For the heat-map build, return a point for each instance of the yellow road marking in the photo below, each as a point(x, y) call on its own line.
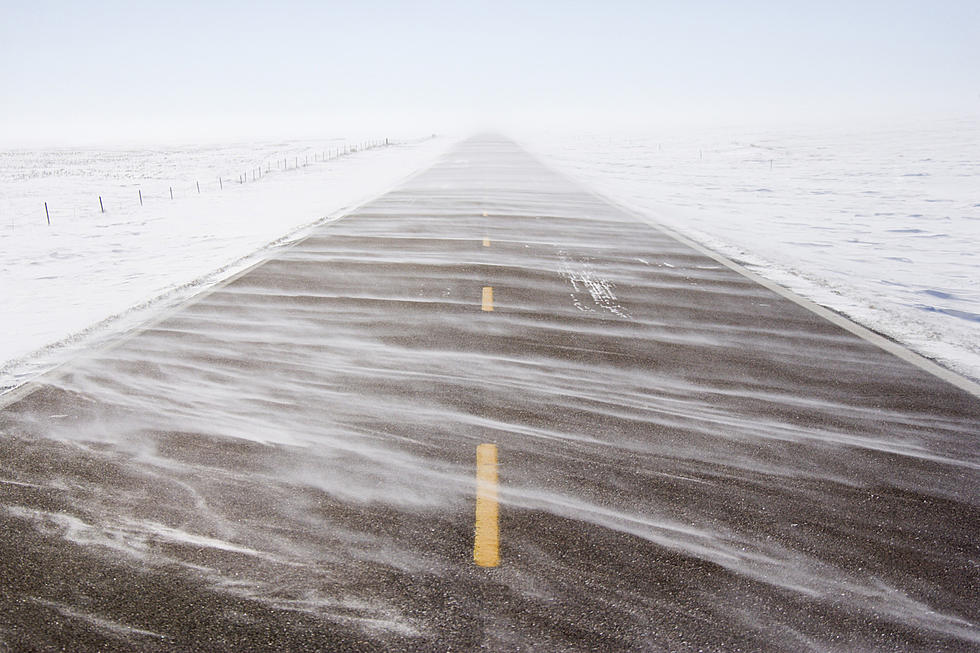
point(488, 298)
point(486, 242)
point(486, 542)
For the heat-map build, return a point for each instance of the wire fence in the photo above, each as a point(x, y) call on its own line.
point(68, 186)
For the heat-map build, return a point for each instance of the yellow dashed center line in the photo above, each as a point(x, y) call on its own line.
point(486, 541)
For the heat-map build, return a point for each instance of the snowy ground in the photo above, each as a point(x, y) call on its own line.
point(60, 284)
point(880, 224)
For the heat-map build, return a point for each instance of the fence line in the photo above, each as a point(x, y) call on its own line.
point(326, 156)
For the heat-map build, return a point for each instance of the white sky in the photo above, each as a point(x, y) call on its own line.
point(95, 70)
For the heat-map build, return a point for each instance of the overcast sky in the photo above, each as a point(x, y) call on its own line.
point(82, 71)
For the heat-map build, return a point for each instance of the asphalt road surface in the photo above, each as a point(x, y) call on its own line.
point(672, 456)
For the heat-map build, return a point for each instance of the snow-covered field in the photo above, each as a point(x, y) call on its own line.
point(59, 284)
point(881, 224)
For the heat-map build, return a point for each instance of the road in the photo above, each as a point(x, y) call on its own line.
point(672, 456)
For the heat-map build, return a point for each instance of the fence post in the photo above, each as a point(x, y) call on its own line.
point(198, 187)
point(47, 213)
point(171, 192)
point(101, 207)
point(221, 185)
point(141, 196)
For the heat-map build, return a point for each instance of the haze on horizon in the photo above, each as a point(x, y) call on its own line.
point(107, 70)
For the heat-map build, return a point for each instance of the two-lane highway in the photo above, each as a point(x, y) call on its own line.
point(491, 410)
